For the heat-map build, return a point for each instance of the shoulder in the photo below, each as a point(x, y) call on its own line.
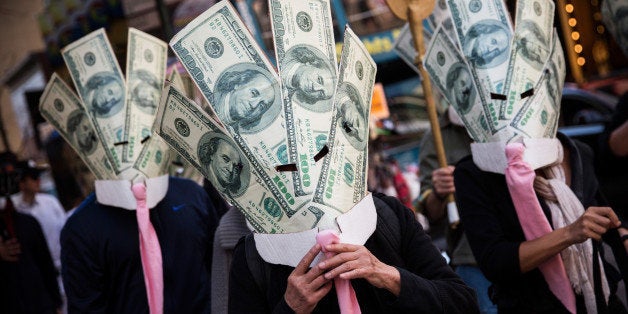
point(84, 214)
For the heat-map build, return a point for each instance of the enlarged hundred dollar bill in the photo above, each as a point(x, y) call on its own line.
point(154, 159)
point(531, 50)
point(63, 109)
point(145, 74)
point(404, 46)
point(100, 84)
point(538, 117)
point(342, 182)
point(238, 177)
point(451, 75)
point(484, 33)
point(242, 88)
point(306, 59)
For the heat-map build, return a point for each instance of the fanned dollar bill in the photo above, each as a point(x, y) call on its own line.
point(342, 182)
point(145, 74)
point(63, 109)
point(532, 44)
point(101, 87)
point(538, 117)
point(306, 59)
point(450, 73)
point(614, 15)
point(154, 159)
point(179, 167)
point(241, 180)
point(484, 32)
point(242, 88)
point(441, 16)
point(404, 46)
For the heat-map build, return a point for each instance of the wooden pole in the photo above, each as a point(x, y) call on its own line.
point(415, 12)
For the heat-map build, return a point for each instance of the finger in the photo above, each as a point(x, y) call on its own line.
point(609, 213)
point(342, 268)
point(342, 247)
point(323, 290)
point(319, 281)
point(337, 261)
point(594, 230)
point(305, 262)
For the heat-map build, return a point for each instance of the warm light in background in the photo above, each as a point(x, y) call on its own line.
point(600, 29)
point(577, 48)
point(572, 22)
point(575, 35)
point(581, 61)
point(569, 8)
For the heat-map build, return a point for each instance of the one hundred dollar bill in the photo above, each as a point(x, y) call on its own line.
point(145, 74)
point(484, 32)
point(242, 88)
point(451, 75)
point(441, 16)
point(614, 15)
point(342, 182)
point(63, 109)
point(404, 46)
point(538, 117)
point(179, 167)
point(154, 159)
point(531, 50)
point(240, 180)
point(306, 59)
point(101, 87)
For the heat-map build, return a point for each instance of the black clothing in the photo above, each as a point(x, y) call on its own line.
point(494, 232)
point(30, 284)
point(428, 284)
point(102, 269)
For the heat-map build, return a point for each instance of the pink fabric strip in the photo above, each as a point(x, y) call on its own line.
point(150, 252)
point(347, 300)
point(520, 179)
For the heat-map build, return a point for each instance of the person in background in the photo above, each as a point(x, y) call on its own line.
point(44, 207)
point(436, 184)
point(28, 278)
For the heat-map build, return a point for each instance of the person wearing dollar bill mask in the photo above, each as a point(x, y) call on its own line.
point(460, 84)
point(223, 164)
point(106, 94)
point(83, 132)
point(486, 45)
point(243, 97)
point(307, 76)
point(146, 92)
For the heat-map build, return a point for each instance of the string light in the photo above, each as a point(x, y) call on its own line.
point(577, 48)
point(581, 61)
point(575, 35)
point(572, 22)
point(569, 8)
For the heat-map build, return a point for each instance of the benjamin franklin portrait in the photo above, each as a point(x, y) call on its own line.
point(352, 113)
point(461, 88)
point(487, 44)
point(247, 98)
point(225, 167)
point(309, 78)
point(82, 132)
point(105, 94)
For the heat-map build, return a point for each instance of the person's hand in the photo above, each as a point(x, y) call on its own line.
point(443, 181)
point(306, 287)
point(10, 250)
point(356, 261)
point(623, 232)
point(593, 224)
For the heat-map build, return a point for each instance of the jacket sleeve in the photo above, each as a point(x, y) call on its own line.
point(82, 273)
point(428, 284)
point(242, 286)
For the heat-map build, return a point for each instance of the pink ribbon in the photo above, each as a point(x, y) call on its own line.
point(520, 179)
point(150, 252)
point(347, 300)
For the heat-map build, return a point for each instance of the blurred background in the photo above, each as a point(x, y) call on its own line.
point(33, 32)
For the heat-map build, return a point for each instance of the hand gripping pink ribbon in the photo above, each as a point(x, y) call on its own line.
point(347, 300)
point(150, 251)
point(520, 179)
